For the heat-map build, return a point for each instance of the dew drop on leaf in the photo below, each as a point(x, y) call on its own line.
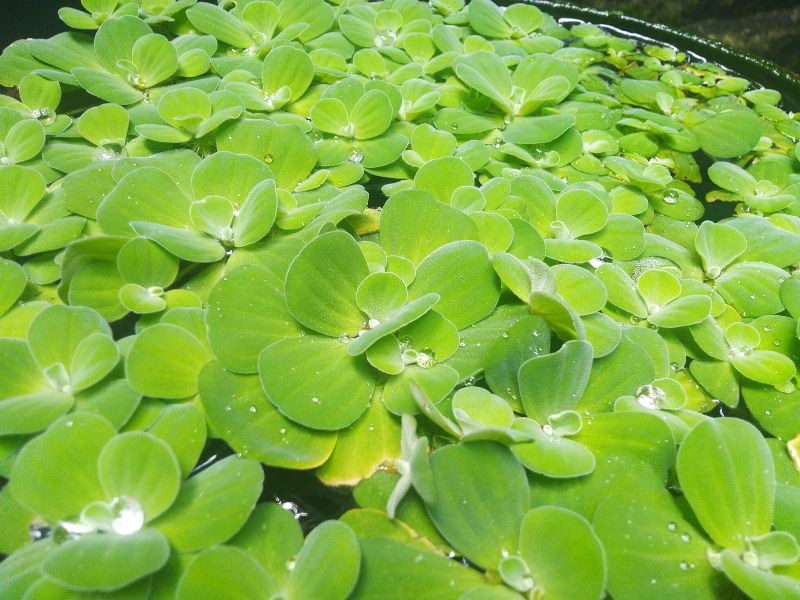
point(127, 516)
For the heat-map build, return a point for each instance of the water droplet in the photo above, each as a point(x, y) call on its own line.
point(462, 344)
point(69, 423)
point(505, 335)
point(683, 565)
point(252, 408)
point(344, 338)
point(768, 412)
point(268, 158)
point(548, 429)
point(671, 197)
point(454, 126)
point(686, 537)
point(356, 156)
point(127, 516)
point(373, 323)
point(315, 399)
point(44, 115)
point(672, 525)
point(650, 396)
point(469, 381)
point(228, 409)
point(426, 359)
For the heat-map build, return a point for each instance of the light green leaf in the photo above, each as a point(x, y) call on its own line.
point(729, 134)
point(55, 474)
point(400, 235)
point(566, 534)
point(321, 285)
point(236, 407)
point(165, 361)
point(315, 382)
point(732, 496)
point(555, 382)
point(224, 571)
point(481, 492)
point(328, 565)
point(456, 271)
point(107, 561)
point(238, 335)
point(154, 480)
point(227, 489)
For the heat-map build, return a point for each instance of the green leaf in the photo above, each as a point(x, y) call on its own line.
point(236, 407)
point(584, 292)
point(380, 294)
point(256, 215)
point(555, 382)
point(155, 58)
point(315, 382)
point(14, 282)
point(182, 427)
point(732, 496)
point(732, 178)
point(718, 245)
point(650, 544)
point(527, 338)
point(228, 490)
point(239, 332)
point(106, 86)
point(401, 236)
point(756, 582)
point(165, 361)
point(550, 454)
point(363, 448)
point(215, 21)
point(559, 315)
point(94, 358)
point(107, 561)
point(24, 141)
point(224, 571)
point(537, 130)
point(399, 318)
point(153, 482)
point(456, 271)
point(415, 572)
point(273, 536)
point(105, 125)
point(729, 134)
point(55, 474)
point(481, 491)
point(371, 115)
point(328, 565)
point(145, 194)
point(442, 176)
point(321, 285)
point(620, 373)
point(485, 72)
point(571, 546)
point(145, 263)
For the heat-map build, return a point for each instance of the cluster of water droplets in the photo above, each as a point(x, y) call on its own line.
point(650, 396)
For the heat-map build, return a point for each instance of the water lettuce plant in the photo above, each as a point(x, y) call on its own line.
point(306, 299)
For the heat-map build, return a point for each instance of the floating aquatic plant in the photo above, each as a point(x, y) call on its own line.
point(315, 299)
